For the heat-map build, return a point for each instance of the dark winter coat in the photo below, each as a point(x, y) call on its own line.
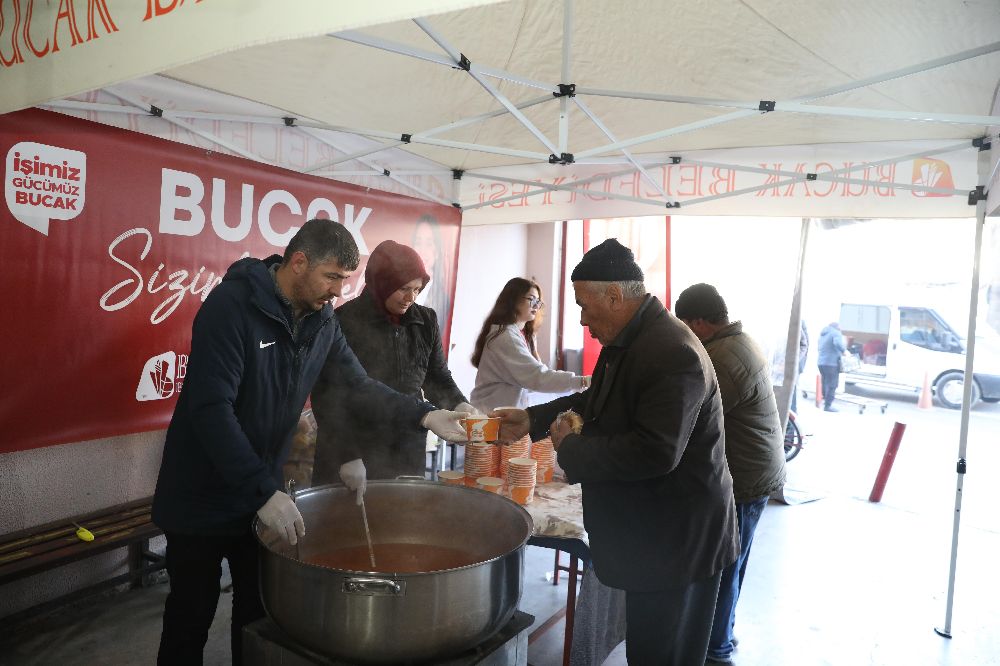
point(246, 383)
point(657, 495)
point(407, 357)
point(755, 443)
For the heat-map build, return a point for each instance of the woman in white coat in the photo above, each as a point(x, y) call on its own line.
point(505, 353)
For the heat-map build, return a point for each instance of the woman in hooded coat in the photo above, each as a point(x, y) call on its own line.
point(399, 343)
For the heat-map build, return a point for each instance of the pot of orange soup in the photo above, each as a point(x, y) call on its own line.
point(448, 575)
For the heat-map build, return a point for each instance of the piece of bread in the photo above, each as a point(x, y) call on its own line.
point(574, 420)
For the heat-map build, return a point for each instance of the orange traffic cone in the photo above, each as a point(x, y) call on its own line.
point(925, 401)
point(819, 390)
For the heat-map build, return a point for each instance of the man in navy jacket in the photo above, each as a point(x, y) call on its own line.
point(258, 344)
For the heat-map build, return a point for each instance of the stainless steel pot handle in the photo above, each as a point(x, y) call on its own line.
point(375, 586)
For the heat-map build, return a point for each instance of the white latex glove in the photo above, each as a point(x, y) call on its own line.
point(466, 407)
point(445, 424)
point(355, 476)
point(281, 515)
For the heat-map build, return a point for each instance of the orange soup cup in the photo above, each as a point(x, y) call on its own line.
point(452, 478)
point(522, 494)
point(482, 428)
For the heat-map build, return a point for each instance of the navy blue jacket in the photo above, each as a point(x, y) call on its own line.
point(246, 383)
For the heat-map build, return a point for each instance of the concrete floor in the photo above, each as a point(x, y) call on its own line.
point(836, 581)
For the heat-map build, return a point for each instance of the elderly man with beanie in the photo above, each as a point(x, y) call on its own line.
point(657, 494)
point(754, 441)
point(398, 342)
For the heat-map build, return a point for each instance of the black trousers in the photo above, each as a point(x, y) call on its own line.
point(831, 377)
point(670, 627)
point(195, 567)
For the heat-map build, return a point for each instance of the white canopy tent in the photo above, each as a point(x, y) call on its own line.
point(494, 103)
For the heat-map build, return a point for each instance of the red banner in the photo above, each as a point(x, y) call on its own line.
point(110, 242)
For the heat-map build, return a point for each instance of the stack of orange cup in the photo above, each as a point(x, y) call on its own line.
point(479, 461)
point(543, 452)
point(519, 449)
point(522, 474)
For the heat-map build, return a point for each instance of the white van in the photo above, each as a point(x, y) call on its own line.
point(897, 345)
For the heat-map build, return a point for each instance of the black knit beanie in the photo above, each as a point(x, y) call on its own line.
point(608, 262)
point(700, 301)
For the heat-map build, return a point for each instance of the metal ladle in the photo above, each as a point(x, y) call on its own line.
point(290, 489)
point(368, 533)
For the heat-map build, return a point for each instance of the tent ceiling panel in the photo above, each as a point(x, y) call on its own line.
point(652, 76)
point(729, 49)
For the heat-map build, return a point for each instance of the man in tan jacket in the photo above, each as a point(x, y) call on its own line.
point(754, 441)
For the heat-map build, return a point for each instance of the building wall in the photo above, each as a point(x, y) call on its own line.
point(42, 485)
point(488, 256)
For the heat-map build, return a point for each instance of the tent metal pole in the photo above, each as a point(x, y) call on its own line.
point(443, 143)
point(963, 436)
point(673, 131)
point(790, 372)
point(677, 99)
point(93, 106)
point(481, 80)
point(420, 54)
point(900, 73)
point(356, 37)
point(434, 130)
point(390, 175)
point(628, 155)
point(798, 107)
point(170, 118)
point(566, 57)
point(481, 117)
point(419, 137)
point(912, 116)
point(379, 172)
point(862, 83)
point(353, 156)
point(443, 171)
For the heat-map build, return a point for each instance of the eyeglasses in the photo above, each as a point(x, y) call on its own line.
point(534, 302)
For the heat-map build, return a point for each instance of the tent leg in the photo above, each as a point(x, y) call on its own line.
point(963, 437)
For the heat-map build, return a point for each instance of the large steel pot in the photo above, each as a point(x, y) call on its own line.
point(367, 617)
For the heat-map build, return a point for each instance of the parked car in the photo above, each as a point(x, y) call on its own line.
point(896, 346)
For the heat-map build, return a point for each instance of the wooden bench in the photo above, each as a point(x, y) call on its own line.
point(54, 544)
